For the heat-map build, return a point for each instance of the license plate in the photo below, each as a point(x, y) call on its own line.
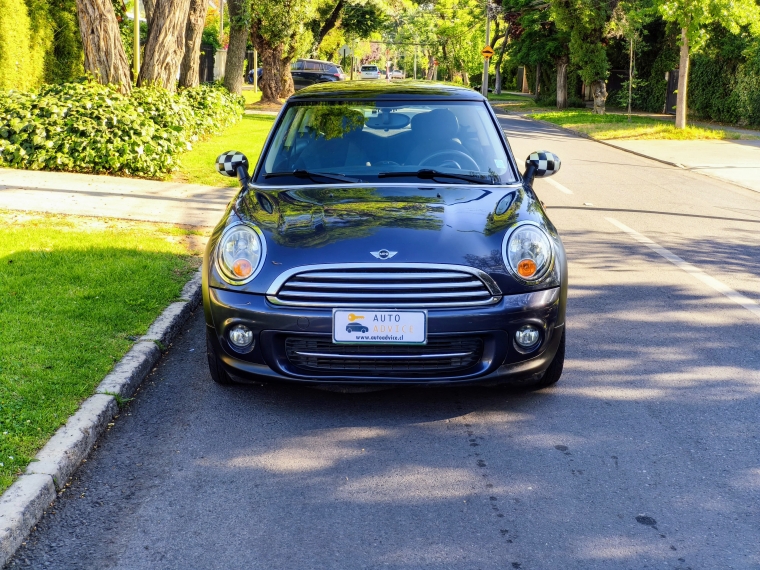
point(360, 326)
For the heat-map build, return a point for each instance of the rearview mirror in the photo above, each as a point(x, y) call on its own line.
point(540, 164)
point(387, 120)
point(233, 164)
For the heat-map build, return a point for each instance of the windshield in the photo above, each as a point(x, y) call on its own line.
point(402, 141)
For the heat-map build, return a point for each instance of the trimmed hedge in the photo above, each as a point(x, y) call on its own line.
point(88, 127)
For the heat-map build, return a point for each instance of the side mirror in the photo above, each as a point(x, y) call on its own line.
point(233, 164)
point(539, 164)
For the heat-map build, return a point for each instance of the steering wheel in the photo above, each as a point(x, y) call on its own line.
point(451, 154)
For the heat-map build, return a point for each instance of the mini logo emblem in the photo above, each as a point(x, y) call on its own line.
point(383, 254)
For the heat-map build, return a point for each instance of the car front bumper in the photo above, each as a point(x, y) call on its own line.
point(489, 330)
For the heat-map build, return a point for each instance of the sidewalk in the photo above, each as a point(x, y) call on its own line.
point(113, 197)
point(734, 161)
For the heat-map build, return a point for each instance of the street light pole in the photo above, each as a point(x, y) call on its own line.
point(221, 22)
point(486, 61)
point(415, 62)
point(136, 42)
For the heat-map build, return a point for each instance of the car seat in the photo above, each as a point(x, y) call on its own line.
point(433, 131)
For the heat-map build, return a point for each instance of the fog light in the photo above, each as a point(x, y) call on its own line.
point(241, 336)
point(527, 336)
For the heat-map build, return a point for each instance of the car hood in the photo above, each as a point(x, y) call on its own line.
point(451, 224)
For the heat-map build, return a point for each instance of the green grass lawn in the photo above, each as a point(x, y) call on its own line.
point(509, 97)
point(74, 293)
point(251, 97)
point(246, 136)
point(617, 126)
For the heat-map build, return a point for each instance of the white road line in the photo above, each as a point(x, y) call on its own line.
point(719, 286)
point(559, 186)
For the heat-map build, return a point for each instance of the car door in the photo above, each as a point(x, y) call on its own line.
point(311, 72)
point(296, 70)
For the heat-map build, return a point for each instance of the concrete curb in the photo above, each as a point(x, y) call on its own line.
point(23, 504)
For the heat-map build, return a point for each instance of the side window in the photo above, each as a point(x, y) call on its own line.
point(296, 65)
point(311, 66)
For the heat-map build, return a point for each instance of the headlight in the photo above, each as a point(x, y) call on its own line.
point(527, 252)
point(240, 253)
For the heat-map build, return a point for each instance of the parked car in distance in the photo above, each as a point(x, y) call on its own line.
point(259, 71)
point(307, 72)
point(386, 236)
point(397, 74)
point(370, 72)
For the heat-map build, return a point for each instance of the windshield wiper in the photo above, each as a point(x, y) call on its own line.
point(311, 174)
point(428, 174)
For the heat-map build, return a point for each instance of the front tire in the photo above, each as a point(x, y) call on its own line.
point(218, 374)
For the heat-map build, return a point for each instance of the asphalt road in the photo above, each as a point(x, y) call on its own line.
point(646, 455)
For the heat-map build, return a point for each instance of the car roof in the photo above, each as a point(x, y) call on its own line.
point(407, 90)
point(316, 60)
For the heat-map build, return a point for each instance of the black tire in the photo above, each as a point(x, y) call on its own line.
point(218, 374)
point(553, 373)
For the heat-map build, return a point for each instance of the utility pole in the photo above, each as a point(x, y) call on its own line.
point(486, 61)
point(221, 22)
point(630, 80)
point(136, 42)
point(255, 71)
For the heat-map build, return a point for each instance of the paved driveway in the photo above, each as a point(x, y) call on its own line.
point(646, 455)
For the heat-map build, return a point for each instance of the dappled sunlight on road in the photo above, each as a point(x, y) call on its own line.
point(421, 483)
point(617, 548)
point(313, 452)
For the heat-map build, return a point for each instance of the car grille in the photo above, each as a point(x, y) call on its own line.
point(437, 357)
point(384, 286)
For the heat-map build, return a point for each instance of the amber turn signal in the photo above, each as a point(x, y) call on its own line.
point(526, 267)
point(243, 268)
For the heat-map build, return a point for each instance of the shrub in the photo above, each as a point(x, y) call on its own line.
point(87, 127)
point(25, 39)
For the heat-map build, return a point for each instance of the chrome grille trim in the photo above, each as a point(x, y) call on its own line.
point(383, 286)
point(398, 285)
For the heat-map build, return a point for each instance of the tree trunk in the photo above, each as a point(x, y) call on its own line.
point(166, 44)
point(104, 54)
point(271, 76)
point(497, 88)
point(239, 29)
point(150, 6)
point(329, 24)
point(430, 69)
point(189, 71)
point(538, 78)
point(287, 87)
point(683, 79)
point(562, 63)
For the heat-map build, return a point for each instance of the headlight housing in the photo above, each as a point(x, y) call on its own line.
point(240, 253)
point(528, 252)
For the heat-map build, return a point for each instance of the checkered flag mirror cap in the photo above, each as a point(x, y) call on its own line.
point(227, 163)
point(546, 163)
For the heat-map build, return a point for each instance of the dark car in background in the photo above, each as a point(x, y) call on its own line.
point(386, 237)
point(307, 72)
point(259, 71)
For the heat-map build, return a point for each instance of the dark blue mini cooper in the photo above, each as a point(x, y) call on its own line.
point(386, 237)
